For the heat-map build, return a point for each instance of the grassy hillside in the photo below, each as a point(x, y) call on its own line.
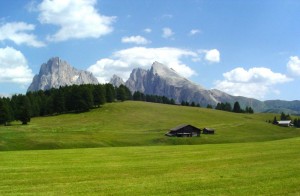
point(263, 168)
point(138, 124)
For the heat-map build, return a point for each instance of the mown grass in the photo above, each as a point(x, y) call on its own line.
point(138, 124)
point(261, 168)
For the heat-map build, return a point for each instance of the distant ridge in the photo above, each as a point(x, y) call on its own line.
point(57, 72)
point(163, 81)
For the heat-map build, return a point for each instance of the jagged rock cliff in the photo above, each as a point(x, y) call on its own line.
point(116, 81)
point(57, 72)
point(163, 81)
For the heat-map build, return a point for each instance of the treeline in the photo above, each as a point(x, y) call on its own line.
point(81, 98)
point(283, 116)
point(138, 96)
point(76, 98)
point(236, 108)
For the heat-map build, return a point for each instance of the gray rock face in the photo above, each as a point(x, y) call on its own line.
point(116, 81)
point(163, 81)
point(56, 73)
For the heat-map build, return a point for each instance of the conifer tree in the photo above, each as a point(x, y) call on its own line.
point(237, 107)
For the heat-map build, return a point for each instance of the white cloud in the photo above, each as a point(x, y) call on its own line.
point(136, 40)
point(167, 32)
point(122, 62)
point(293, 65)
point(194, 32)
point(256, 82)
point(18, 33)
point(13, 67)
point(212, 56)
point(76, 18)
point(148, 30)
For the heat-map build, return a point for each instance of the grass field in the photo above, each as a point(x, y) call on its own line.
point(138, 124)
point(120, 149)
point(259, 168)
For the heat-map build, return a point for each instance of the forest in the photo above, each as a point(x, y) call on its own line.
point(68, 99)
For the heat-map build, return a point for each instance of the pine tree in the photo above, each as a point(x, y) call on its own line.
point(110, 93)
point(5, 112)
point(58, 98)
point(24, 112)
point(237, 107)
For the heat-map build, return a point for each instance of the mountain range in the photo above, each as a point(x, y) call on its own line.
point(158, 80)
point(57, 72)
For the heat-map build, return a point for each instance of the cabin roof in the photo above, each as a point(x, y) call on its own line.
point(284, 122)
point(178, 127)
point(182, 126)
point(209, 129)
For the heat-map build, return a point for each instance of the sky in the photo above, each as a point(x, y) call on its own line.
point(244, 48)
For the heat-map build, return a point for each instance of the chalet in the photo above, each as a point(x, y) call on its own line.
point(184, 131)
point(285, 123)
point(208, 131)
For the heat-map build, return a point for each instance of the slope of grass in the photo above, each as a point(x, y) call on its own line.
point(138, 124)
point(262, 168)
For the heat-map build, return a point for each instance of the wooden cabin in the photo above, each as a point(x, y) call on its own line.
point(208, 131)
point(284, 123)
point(184, 131)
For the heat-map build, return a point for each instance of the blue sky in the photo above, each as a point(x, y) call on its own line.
point(247, 48)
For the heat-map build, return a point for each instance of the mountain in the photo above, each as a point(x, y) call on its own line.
point(57, 72)
point(116, 81)
point(163, 81)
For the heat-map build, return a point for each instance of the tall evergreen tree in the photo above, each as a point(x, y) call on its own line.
point(110, 93)
point(227, 107)
point(58, 98)
point(121, 94)
point(99, 95)
point(237, 107)
point(24, 114)
point(5, 112)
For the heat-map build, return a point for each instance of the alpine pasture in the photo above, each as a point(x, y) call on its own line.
point(120, 149)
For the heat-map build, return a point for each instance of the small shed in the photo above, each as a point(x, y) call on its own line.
point(184, 131)
point(284, 123)
point(208, 131)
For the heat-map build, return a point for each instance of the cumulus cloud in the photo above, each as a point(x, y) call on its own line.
point(76, 18)
point(256, 82)
point(167, 32)
point(18, 33)
point(136, 40)
point(293, 65)
point(122, 62)
point(212, 56)
point(194, 32)
point(13, 67)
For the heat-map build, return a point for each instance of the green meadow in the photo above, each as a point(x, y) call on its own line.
point(259, 168)
point(138, 124)
point(120, 149)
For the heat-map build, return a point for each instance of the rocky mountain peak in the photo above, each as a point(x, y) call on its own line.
point(57, 72)
point(162, 70)
point(116, 81)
